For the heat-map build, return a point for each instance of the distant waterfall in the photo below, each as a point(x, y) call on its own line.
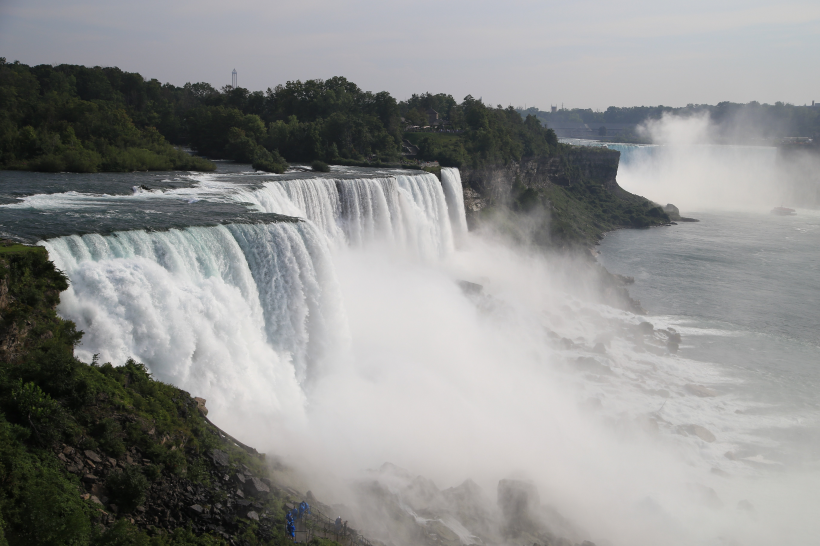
point(218, 309)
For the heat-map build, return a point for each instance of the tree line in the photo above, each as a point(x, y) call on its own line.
point(76, 118)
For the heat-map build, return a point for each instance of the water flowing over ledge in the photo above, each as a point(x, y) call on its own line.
point(248, 306)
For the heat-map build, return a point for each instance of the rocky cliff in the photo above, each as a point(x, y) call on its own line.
point(575, 192)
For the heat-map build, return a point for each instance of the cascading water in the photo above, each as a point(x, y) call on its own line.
point(406, 211)
point(453, 191)
point(206, 306)
point(239, 311)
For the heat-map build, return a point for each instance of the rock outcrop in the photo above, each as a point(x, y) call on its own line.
point(575, 193)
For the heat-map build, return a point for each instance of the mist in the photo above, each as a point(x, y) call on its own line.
point(689, 167)
point(454, 387)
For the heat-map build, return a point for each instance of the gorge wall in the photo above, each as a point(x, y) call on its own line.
point(577, 187)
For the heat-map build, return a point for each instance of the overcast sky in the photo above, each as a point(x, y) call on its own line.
point(589, 54)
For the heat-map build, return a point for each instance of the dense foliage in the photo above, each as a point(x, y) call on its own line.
point(48, 399)
point(72, 118)
point(486, 135)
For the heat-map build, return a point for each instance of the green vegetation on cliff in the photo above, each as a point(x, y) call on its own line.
point(566, 200)
point(103, 455)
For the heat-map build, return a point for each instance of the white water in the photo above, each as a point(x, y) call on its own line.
point(405, 212)
point(451, 182)
point(310, 340)
point(244, 313)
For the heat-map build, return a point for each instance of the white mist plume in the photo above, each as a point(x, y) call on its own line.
point(690, 171)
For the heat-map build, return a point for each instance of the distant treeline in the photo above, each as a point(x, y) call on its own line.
point(75, 118)
point(733, 121)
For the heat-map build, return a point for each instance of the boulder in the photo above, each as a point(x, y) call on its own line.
point(671, 210)
point(699, 431)
point(93, 456)
point(253, 515)
point(700, 390)
point(90, 478)
point(646, 327)
point(220, 457)
point(256, 487)
point(200, 405)
point(516, 497)
point(519, 503)
point(196, 510)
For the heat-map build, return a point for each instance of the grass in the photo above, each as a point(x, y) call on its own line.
point(15, 248)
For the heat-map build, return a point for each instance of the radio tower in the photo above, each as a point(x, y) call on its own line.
point(233, 78)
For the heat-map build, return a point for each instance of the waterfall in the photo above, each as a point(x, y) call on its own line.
point(226, 310)
point(454, 193)
point(245, 313)
point(406, 211)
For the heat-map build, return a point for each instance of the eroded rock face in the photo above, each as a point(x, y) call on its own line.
point(493, 185)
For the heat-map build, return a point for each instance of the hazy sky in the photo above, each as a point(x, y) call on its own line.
point(580, 53)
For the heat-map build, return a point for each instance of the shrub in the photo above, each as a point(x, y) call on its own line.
point(39, 410)
point(270, 162)
point(127, 488)
point(320, 166)
point(109, 437)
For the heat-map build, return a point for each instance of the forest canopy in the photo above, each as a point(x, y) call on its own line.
point(75, 118)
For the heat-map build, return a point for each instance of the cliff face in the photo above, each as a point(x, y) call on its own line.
point(493, 185)
point(578, 189)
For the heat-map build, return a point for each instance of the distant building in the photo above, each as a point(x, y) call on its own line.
point(553, 109)
point(233, 78)
point(815, 105)
point(432, 117)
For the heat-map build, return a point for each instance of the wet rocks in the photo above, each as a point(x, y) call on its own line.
point(699, 431)
point(699, 390)
point(256, 488)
